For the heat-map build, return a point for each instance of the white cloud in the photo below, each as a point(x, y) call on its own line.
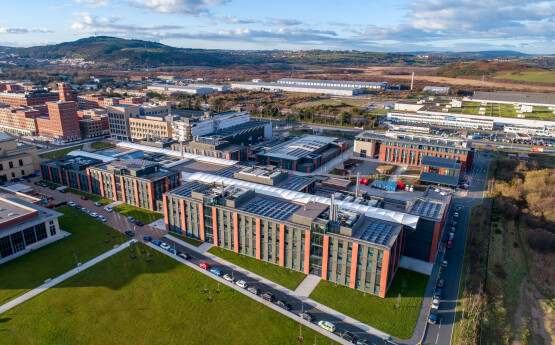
point(187, 7)
point(19, 31)
point(87, 23)
point(229, 19)
point(94, 3)
point(284, 22)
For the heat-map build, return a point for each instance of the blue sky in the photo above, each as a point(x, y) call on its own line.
point(394, 25)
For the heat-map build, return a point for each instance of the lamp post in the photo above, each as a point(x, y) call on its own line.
point(76, 263)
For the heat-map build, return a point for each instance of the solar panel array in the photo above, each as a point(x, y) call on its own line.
point(426, 208)
point(379, 233)
point(228, 171)
point(186, 189)
point(271, 208)
point(294, 183)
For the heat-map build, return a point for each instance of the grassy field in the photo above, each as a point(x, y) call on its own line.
point(87, 241)
point(91, 197)
point(381, 313)
point(129, 301)
point(332, 101)
point(145, 216)
point(529, 76)
point(189, 240)
point(97, 145)
point(501, 110)
point(60, 153)
point(280, 275)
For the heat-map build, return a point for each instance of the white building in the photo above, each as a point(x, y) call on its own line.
point(334, 83)
point(438, 90)
point(447, 120)
point(186, 129)
point(275, 87)
point(219, 88)
point(190, 89)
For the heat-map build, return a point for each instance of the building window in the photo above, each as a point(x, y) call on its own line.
point(21, 162)
point(10, 164)
point(52, 230)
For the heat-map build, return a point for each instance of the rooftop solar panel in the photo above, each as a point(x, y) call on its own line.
point(276, 209)
point(186, 189)
point(378, 233)
point(228, 171)
point(295, 183)
point(426, 208)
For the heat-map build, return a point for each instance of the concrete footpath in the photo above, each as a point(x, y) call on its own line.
point(285, 290)
point(16, 301)
point(257, 298)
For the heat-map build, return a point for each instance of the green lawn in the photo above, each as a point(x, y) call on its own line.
point(280, 275)
point(87, 241)
point(91, 197)
point(60, 153)
point(48, 183)
point(129, 301)
point(145, 216)
point(380, 313)
point(97, 145)
point(189, 240)
point(530, 76)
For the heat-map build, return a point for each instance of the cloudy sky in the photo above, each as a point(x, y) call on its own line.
point(394, 25)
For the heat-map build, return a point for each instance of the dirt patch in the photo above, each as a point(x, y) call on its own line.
point(533, 316)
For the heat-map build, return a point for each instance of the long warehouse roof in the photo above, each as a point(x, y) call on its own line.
point(173, 153)
point(374, 212)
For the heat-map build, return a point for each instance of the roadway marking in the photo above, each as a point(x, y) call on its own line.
point(437, 337)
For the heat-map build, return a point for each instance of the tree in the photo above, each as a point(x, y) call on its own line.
point(345, 117)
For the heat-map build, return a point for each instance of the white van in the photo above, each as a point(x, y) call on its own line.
point(328, 326)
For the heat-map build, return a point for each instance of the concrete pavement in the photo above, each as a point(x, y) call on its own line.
point(306, 287)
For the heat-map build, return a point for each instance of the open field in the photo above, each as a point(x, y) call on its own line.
point(145, 216)
point(131, 301)
point(394, 316)
point(91, 197)
point(502, 110)
point(529, 76)
point(87, 241)
point(280, 275)
point(60, 153)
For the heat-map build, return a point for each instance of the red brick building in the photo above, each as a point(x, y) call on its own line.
point(62, 122)
point(27, 98)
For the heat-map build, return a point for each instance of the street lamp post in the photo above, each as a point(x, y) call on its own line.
point(76, 263)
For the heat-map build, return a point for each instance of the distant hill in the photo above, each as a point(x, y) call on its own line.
point(481, 67)
point(486, 54)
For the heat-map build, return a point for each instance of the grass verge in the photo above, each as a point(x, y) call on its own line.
point(60, 153)
point(189, 240)
point(145, 216)
point(91, 197)
point(131, 301)
point(87, 241)
point(280, 275)
point(97, 145)
point(393, 315)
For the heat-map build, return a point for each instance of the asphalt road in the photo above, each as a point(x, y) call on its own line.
point(442, 331)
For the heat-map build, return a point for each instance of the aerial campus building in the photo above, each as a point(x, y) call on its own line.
point(334, 83)
point(520, 98)
point(278, 87)
point(410, 149)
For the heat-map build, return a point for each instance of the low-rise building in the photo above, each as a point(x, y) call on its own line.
point(187, 128)
point(437, 90)
point(16, 160)
point(440, 171)
point(334, 83)
point(150, 126)
point(277, 87)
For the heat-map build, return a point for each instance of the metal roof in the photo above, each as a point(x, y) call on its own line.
point(441, 162)
point(293, 196)
point(103, 158)
point(439, 179)
point(547, 99)
point(299, 148)
point(340, 82)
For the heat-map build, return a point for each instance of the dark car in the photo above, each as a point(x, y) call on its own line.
point(77, 206)
point(84, 197)
point(284, 304)
point(433, 316)
point(129, 233)
point(184, 255)
point(52, 187)
point(139, 223)
point(363, 342)
point(63, 191)
point(449, 244)
point(268, 296)
point(147, 238)
point(37, 183)
point(440, 284)
point(306, 316)
point(348, 336)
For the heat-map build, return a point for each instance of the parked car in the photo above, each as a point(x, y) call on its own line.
point(93, 214)
point(174, 251)
point(440, 284)
point(102, 218)
point(433, 316)
point(438, 293)
point(229, 278)
point(52, 187)
point(71, 203)
point(184, 255)
point(63, 191)
point(204, 265)
point(456, 215)
point(363, 342)
point(157, 242)
point(449, 244)
point(444, 263)
point(165, 246)
point(350, 337)
point(139, 223)
point(328, 326)
point(435, 303)
point(88, 212)
point(242, 284)
point(283, 303)
point(108, 209)
point(129, 233)
point(253, 290)
point(451, 236)
point(77, 206)
point(147, 238)
point(453, 229)
point(97, 204)
point(37, 183)
point(131, 219)
point(306, 316)
point(268, 296)
point(458, 208)
point(84, 197)
point(216, 271)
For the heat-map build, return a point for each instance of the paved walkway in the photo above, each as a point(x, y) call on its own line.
point(159, 224)
point(203, 248)
point(306, 286)
point(285, 290)
point(17, 301)
point(114, 204)
point(416, 265)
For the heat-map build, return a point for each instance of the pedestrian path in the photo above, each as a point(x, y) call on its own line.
point(203, 248)
point(306, 286)
point(159, 224)
point(416, 265)
point(50, 283)
point(285, 290)
point(114, 204)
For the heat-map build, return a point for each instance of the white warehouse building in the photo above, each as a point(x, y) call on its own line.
point(187, 129)
point(188, 89)
point(448, 120)
point(275, 87)
point(334, 83)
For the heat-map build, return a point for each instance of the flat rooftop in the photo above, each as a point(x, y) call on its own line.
point(338, 82)
point(300, 86)
point(12, 208)
point(380, 233)
point(515, 97)
point(300, 147)
point(416, 138)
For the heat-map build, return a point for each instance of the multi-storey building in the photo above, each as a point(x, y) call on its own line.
point(118, 119)
point(24, 227)
point(69, 171)
point(440, 171)
point(409, 149)
point(28, 98)
point(62, 122)
point(19, 120)
point(340, 245)
point(215, 148)
point(16, 160)
point(151, 126)
point(186, 129)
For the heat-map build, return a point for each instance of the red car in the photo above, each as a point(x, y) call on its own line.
point(84, 198)
point(449, 244)
point(205, 266)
